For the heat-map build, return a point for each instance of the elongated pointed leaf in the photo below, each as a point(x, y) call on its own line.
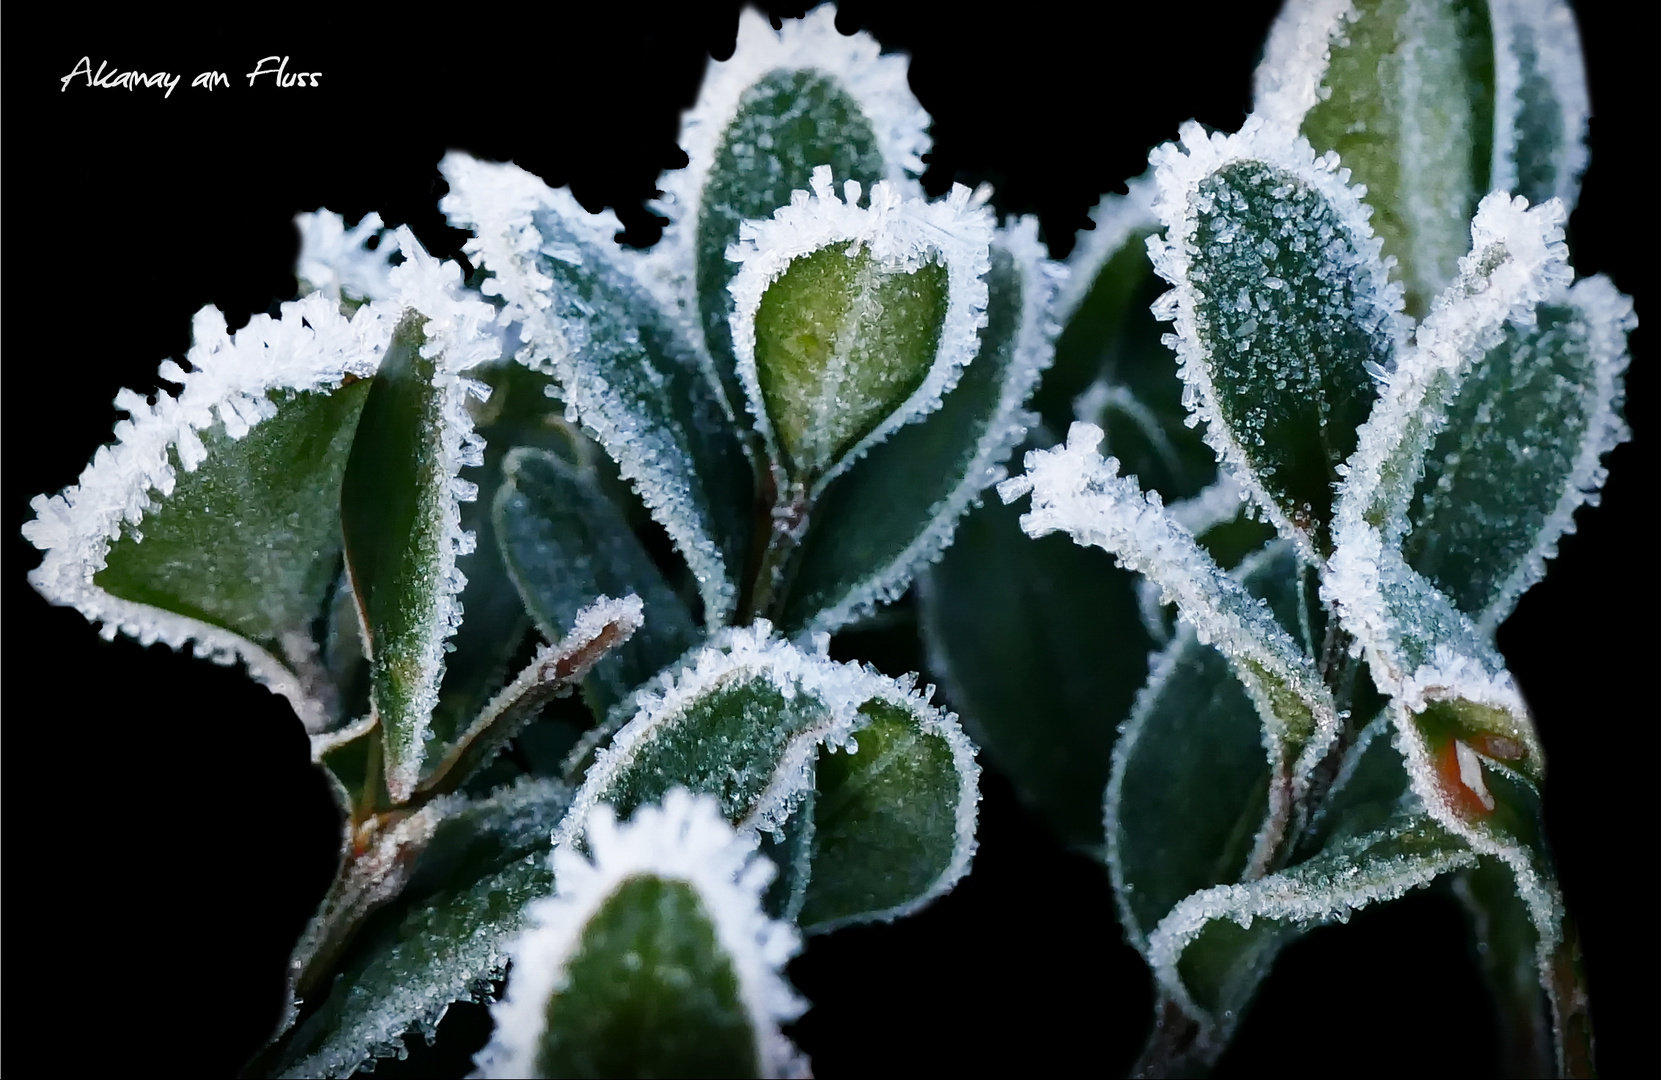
point(787, 102)
point(1042, 683)
point(1541, 105)
point(744, 720)
point(442, 940)
point(897, 508)
point(626, 368)
point(1076, 491)
point(1284, 313)
point(234, 483)
point(654, 959)
point(851, 322)
point(1519, 451)
point(1188, 801)
point(1211, 952)
point(563, 543)
point(1403, 92)
point(1505, 938)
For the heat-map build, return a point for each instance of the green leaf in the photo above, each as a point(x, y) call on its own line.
point(1542, 105)
point(213, 518)
point(1188, 799)
point(442, 939)
point(396, 502)
point(1213, 950)
point(626, 369)
point(1043, 684)
point(1075, 491)
point(1283, 313)
point(1403, 92)
point(654, 959)
point(840, 343)
point(893, 822)
point(1520, 451)
point(564, 543)
point(744, 720)
point(899, 505)
point(787, 102)
point(250, 540)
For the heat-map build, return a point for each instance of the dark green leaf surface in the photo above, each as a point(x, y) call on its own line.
point(876, 517)
point(250, 541)
point(564, 544)
point(1288, 329)
point(646, 398)
point(1509, 453)
point(1189, 791)
point(1411, 114)
point(842, 342)
point(1041, 652)
point(787, 124)
point(1505, 947)
point(649, 992)
point(885, 821)
point(394, 501)
point(442, 940)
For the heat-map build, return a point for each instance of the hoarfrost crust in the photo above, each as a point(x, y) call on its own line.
point(501, 203)
point(338, 261)
point(1034, 350)
point(684, 839)
point(1075, 490)
point(1287, 84)
point(876, 82)
point(1179, 170)
point(901, 234)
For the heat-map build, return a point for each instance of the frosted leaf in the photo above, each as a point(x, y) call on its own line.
point(338, 260)
point(1541, 103)
point(562, 541)
point(847, 402)
point(785, 103)
point(401, 495)
point(627, 370)
point(1403, 92)
point(1076, 491)
point(454, 903)
point(1214, 948)
point(898, 508)
point(1283, 311)
point(238, 597)
point(1521, 450)
point(1196, 795)
point(664, 920)
point(1041, 684)
point(745, 719)
point(1518, 259)
point(1504, 936)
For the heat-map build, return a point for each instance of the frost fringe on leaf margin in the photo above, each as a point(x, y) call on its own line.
point(1117, 218)
point(337, 260)
point(1548, 28)
point(902, 234)
point(877, 83)
point(740, 653)
point(1178, 171)
point(500, 202)
point(1287, 84)
point(311, 347)
point(685, 840)
point(1034, 350)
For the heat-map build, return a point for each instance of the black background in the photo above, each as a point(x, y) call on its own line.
point(165, 834)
